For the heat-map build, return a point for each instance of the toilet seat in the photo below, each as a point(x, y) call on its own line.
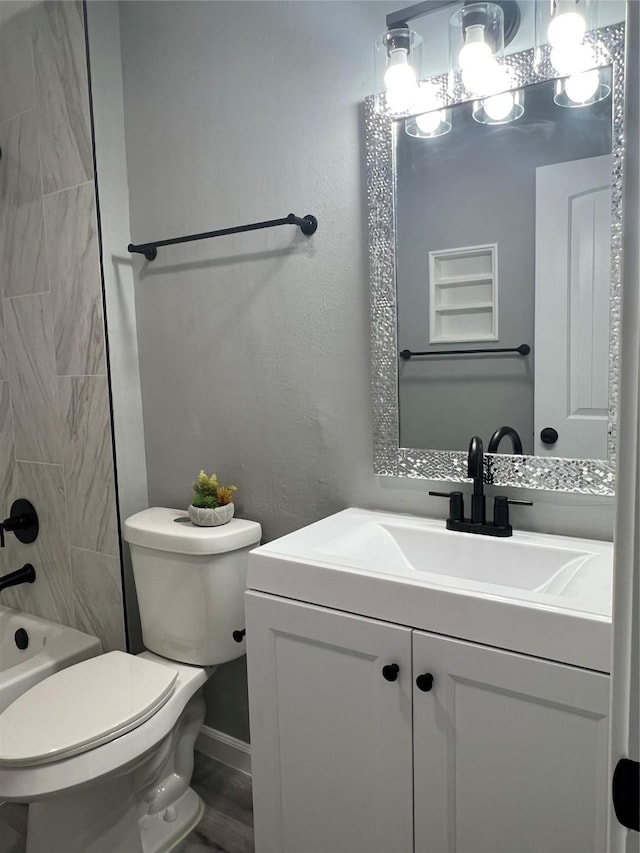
point(82, 707)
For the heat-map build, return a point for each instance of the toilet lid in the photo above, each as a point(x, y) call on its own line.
point(83, 706)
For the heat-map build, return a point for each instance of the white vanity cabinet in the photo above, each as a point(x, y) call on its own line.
point(331, 739)
point(510, 751)
point(503, 753)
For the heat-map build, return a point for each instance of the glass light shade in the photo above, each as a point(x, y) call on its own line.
point(476, 44)
point(502, 108)
point(430, 119)
point(560, 30)
point(398, 70)
point(428, 125)
point(582, 89)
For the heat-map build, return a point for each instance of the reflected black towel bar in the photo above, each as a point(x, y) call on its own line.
point(523, 349)
point(307, 224)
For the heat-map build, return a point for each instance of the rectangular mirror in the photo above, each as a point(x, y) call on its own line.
point(494, 252)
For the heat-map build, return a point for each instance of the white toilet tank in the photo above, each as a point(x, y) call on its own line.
point(190, 583)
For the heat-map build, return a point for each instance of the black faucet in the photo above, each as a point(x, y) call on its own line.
point(501, 433)
point(27, 574)
point(500, 525)
point(475, 472)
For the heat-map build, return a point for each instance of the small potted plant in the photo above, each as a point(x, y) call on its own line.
point(212, 504)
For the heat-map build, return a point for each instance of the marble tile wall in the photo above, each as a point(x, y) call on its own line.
point(55, 428)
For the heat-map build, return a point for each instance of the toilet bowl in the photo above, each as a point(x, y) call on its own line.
point(103, 751)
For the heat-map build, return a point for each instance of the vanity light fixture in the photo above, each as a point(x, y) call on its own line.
point(488, 27)
point(566, 33)
point(476, 44)
point(581, 90)
point(563, 29)
point(398, 68)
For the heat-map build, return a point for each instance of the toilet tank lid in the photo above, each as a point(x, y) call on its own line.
point(171, 530)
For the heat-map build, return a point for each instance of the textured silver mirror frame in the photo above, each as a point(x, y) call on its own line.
point(586, 476)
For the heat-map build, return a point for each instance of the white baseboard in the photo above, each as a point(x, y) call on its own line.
point(224, 748)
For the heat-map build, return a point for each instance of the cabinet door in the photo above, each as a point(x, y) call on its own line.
point(510, 752)
point(330, 736)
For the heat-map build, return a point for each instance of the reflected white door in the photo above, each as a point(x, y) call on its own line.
point(573, 273)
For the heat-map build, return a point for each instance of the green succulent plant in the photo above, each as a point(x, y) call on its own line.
point(208, 492)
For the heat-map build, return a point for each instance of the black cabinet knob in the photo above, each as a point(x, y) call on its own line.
point(625, 790)
point(390, 671)
point(238, 636)
point(548, 435)
point(424, 682)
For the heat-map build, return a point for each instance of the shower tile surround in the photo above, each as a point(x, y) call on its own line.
point(55, 430)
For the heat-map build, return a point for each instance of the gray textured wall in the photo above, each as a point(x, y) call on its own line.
point(254, 349)
point(55, 431)
point(476, 186)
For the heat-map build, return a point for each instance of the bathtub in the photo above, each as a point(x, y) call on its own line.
point(46, 648)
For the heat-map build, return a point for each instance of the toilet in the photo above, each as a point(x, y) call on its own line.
point(103, 750)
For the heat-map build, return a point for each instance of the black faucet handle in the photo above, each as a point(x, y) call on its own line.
point(22, 521)
point(456, 504)
point(501, 509)
point(16, 522)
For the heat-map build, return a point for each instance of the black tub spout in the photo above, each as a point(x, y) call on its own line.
point(27, 574)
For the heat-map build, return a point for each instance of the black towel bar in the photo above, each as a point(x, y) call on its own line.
point(307, 224)
point(523, 349)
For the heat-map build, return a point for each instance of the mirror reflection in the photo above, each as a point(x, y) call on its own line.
point(503, 237)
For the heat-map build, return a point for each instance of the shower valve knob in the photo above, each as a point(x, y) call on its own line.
point(22, 521)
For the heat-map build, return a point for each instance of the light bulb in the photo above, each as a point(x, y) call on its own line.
point(488, 79)
point(582, 87)
point(475, 52)
point(400, 81)
point(572, 59)
point(427, 99)
point(429, 122)
point(567, 27)
point(400, 100)
point(498, 107)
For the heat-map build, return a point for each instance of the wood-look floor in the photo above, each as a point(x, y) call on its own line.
point(227, 824)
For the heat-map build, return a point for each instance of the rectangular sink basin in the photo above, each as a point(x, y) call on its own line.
point(381, 546)
point(545, 595)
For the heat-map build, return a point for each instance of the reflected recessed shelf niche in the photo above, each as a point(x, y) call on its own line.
point(463, 294)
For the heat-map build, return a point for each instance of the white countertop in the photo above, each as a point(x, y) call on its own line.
point(352, 561)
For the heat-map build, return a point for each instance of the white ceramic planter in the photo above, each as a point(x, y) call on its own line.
point(204, 517)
